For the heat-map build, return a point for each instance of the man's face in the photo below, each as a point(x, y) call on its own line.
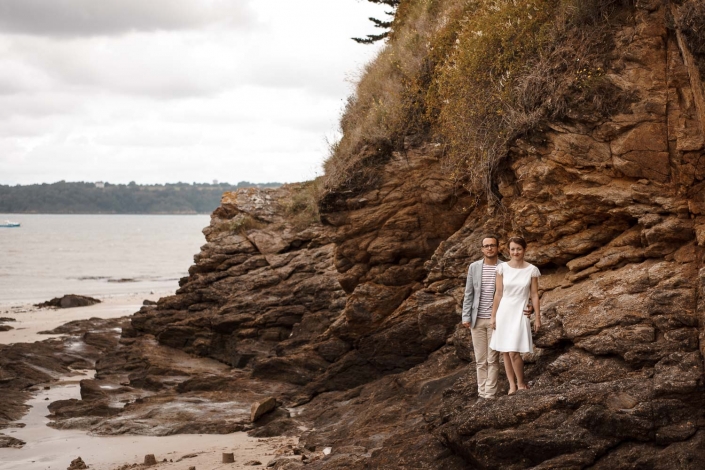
point(489, 247)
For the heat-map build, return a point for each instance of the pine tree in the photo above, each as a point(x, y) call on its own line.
point(372, 38)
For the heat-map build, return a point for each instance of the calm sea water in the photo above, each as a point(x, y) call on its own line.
point(96, 255)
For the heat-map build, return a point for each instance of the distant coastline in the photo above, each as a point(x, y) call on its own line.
point(106, 198)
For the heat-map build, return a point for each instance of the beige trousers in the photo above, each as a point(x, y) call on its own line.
point(486, 359)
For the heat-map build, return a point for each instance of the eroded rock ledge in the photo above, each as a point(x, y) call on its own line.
point(352, 324)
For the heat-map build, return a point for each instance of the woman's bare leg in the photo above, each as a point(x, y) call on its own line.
point(518, 366)
point(509, 369)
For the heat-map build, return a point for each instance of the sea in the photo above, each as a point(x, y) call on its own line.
point(96, 255)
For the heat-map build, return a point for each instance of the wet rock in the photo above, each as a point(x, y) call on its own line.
point(77, 464)
point(24, 366)
point(8, 441)
point(69, 301)
point(286, 463)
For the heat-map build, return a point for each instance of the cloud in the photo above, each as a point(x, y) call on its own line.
point(162, 105)
point(71, 18)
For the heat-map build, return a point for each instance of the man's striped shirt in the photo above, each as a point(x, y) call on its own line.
point(489, 279)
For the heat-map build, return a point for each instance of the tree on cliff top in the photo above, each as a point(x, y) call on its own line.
point(372, 38)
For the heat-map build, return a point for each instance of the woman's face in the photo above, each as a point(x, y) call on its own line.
point(516, 251)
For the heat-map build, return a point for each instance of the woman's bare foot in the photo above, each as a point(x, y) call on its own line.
point(512, 391)
point(523, 386)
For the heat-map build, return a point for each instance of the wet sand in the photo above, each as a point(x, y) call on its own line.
point(31, 320)
point(50, 449)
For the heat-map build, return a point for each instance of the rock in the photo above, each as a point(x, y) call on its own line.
point(69, 301)
point(149, 460)
point(228, 457)
point(148, 302)
point(77, 464)
point(252, 463)
point(275, 423)
point(6, 319)
point(6, 328)
point(8, 441)
point(261, 407)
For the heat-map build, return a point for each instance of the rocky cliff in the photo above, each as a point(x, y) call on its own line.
point(352, 323)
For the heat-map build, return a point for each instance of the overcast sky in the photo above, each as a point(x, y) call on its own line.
point(160, 91)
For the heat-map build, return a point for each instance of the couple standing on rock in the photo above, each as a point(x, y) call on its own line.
point(497, 310)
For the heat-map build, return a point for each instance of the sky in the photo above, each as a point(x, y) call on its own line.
point(161, 91)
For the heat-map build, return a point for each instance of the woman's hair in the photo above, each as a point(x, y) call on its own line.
point(518, 240)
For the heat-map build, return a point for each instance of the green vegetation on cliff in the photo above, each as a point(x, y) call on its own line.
point(86, 198)
point(472, 75)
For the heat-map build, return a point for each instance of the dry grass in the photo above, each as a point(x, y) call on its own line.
point(239, 224)
point(691, 21)
point(475, 74)
point(389, 100)
point(302, 208)
point(517, 64)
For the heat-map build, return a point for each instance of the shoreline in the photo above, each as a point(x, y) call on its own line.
point(49, 448)
point(30, 320)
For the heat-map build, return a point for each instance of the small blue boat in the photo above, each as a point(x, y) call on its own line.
point(9, 224)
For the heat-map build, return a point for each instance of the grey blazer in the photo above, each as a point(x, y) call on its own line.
point(472, 292)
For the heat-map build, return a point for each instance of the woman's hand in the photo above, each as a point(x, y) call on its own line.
point(494, 324)
point(537, 325)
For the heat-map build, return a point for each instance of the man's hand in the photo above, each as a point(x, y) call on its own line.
point(528, 310)
point(466, 324)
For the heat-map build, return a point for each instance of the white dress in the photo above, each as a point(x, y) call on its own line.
point(513, 329)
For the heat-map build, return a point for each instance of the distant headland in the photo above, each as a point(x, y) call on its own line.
point(106, 198)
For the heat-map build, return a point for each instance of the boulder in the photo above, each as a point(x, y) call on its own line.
point(261, 407)
point(69, 301)
point(77, 464)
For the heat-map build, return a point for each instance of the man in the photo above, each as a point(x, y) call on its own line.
point(477, 314)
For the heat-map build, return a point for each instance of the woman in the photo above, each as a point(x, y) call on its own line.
point(517, 281)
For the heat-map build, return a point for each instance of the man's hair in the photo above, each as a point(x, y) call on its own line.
point(490, 235)
point(518, 240)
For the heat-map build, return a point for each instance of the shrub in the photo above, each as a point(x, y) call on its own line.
point(302, 208)
point(239, 224)
point(476, 74)
point(515, 65)
point(389, 100)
